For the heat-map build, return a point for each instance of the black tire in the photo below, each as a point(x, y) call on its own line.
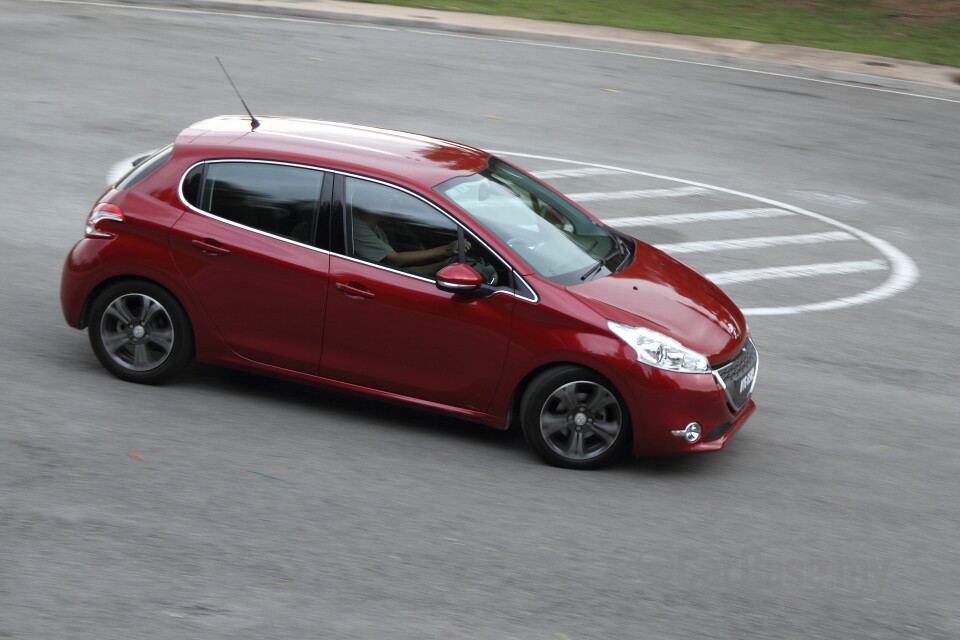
point(572, 417)
point(139, 332)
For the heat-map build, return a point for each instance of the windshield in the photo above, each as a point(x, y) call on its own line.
point(555, 238)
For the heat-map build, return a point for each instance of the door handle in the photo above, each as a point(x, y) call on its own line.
point(355, 290)
point(210, 247)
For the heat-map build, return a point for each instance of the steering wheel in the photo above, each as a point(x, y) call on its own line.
point(484, 268)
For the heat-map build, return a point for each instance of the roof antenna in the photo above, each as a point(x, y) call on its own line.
point(254, 123)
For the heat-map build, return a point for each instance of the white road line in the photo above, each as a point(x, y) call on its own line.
point(839, 83)
point(798, 271)
point(904, 272)
point(578, 172)
point(705, 216)
point(755, 243)
point(226, 14)
point(528, 43)
point(596, 196)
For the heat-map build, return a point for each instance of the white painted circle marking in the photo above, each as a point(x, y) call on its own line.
point(903, 270)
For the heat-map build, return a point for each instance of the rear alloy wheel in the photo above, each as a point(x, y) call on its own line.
point(573, 418)
point(139, 332)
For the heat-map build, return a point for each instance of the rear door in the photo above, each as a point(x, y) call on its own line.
point(247, 249)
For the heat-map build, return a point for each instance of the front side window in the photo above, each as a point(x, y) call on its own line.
point(392, 228)
point(278, 199)
point(555, 238)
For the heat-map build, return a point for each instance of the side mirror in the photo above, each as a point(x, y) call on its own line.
point(459, 278)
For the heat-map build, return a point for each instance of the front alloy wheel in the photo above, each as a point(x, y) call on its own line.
point(573, 418)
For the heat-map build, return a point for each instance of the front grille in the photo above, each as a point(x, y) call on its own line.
point(739, 376)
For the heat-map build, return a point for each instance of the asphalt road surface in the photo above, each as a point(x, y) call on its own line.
point(232, 506)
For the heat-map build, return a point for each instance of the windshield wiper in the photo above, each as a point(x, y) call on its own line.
point(599, 265)
point(619, 249)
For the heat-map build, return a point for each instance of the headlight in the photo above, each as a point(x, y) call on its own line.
point(660, 351)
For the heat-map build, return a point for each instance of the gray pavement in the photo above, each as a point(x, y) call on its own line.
point(228, 506)
point(832, 65)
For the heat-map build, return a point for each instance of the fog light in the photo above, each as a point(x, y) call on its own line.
point(691, 434)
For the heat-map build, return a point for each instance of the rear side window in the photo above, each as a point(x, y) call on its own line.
point(278, 199)
point(145, 168)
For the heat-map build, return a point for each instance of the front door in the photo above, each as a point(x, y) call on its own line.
point(388, 325)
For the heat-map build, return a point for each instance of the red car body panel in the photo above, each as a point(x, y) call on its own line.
point(267, 297)
point(673, 299)
point(405, 336)
point(267, 304)
point(407, 159)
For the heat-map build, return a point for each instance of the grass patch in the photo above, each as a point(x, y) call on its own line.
point(924, 30)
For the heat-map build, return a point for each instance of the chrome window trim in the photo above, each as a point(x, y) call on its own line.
point(526, 285)
point(183, 200)
point(261, 232)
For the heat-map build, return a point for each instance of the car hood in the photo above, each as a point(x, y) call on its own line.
point(663, 294)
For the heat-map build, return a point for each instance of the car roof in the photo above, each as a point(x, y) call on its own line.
point(396, 156)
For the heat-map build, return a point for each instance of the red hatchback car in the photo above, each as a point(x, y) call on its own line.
point(411, 269)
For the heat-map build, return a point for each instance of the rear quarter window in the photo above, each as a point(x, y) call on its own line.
point(145, 168)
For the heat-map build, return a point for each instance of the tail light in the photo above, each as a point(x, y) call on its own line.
point(103, 215)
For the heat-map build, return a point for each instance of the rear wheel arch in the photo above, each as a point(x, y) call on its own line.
point(108, 282)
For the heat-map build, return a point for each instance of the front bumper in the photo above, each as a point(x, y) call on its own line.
point(662, 402)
